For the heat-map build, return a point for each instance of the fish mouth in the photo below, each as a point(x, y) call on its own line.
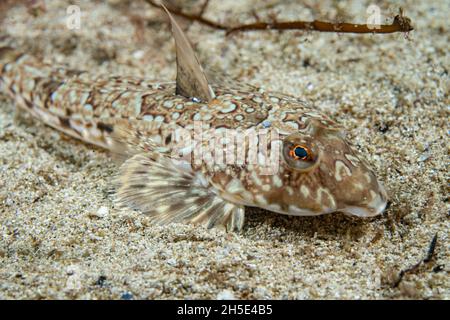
point(372, 209)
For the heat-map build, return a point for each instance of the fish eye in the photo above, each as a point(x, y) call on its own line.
point(300, 153)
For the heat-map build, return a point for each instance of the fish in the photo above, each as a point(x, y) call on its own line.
point(197, 152)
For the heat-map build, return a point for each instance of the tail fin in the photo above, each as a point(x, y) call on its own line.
point(51, 94)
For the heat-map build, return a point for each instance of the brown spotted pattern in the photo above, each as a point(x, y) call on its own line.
point(138, 112)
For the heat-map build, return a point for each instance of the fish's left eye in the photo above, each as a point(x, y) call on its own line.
point(299, 152)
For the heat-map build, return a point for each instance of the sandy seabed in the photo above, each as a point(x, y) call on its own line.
point(62, 238)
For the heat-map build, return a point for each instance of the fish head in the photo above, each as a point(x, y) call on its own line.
point(319, 172)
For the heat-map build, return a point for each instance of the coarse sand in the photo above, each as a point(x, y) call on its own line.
point(62, 238)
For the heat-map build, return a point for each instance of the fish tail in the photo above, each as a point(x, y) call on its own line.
point(50, 94)
point(30, 83)
point(20, 74)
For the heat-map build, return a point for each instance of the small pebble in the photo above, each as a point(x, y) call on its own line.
point(9, 202)
point(138, 54)
point(102, 212)
point(424, 156)
point(126, 296)
point(226, 295)
point(172, 262)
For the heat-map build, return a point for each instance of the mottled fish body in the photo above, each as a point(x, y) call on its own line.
point(317, 170)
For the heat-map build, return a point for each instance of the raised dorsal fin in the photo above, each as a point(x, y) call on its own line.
point(191, 80)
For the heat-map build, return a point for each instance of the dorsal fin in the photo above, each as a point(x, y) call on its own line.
point(191, 80)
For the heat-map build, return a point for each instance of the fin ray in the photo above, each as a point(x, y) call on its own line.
point(154, 184)
point(191, 79)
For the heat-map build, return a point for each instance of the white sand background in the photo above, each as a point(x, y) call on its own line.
point(60, 236)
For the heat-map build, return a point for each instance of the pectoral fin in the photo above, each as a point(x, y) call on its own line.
point(168, 191)
point(191, 80)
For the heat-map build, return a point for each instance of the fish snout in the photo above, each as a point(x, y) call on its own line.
point(371, 205)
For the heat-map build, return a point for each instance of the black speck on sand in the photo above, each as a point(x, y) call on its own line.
point(391, 93)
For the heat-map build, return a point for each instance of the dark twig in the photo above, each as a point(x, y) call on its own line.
point(192, 17)
point(431, 249)
point(203, 8)
point(400, 23)
point(324, 27)
point(427, 259)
